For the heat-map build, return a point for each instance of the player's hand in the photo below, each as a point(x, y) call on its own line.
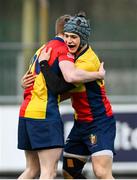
point(102, 71)
point(45, 55)
point(27, 80)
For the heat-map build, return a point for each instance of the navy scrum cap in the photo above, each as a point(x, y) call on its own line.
point(80, 26)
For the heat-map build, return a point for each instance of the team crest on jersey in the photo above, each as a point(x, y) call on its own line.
point(69, 55)
point(93, 139)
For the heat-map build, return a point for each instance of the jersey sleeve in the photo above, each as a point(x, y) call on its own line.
point(65, 55)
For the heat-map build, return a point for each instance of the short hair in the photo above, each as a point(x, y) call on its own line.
point(59, 26)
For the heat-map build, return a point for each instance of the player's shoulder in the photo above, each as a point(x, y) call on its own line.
point(39, 49)
point(91, 55)
point(89, 59)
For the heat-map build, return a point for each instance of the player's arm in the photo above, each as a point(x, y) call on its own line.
point(58, 85)
point(74, 75)
point(55, 83)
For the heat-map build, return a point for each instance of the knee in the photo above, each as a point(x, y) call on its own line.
point(30, 173)
point(35, 171)
point(48, 173)
point(53, 174)
point(102, 173)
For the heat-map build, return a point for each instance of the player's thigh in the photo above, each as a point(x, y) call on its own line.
point(49, 157)
point(102, 163)
point(32, 159)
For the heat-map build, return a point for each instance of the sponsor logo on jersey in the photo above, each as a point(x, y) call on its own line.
point(69, 55)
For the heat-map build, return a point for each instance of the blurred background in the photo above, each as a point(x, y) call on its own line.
point(25, 25)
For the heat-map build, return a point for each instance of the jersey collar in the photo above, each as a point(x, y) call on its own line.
point(58, 38)
point(84, 50)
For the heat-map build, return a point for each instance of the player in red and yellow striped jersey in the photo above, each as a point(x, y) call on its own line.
point(93, 132)
point(40, 129)
point(38, 102)
point(94, 128)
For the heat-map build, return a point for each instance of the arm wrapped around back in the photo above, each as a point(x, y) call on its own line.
point(56, 84)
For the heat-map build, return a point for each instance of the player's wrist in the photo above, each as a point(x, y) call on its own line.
point(44, 63)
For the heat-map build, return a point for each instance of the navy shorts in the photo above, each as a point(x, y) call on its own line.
point(87, 138)
point(36, 134)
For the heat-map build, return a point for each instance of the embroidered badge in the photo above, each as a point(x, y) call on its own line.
point(93, 139)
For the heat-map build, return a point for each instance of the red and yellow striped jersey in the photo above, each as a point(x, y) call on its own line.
point(89, 100)
point(39, 102)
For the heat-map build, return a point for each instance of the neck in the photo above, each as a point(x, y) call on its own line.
point(60, 35)
point(78, 52)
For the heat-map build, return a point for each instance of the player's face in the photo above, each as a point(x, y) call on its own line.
point(73, 41)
